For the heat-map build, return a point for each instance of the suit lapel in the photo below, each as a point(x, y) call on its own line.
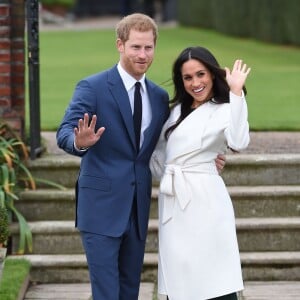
point(120, 95)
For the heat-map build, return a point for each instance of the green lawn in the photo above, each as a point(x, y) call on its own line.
point(273, 85)
point(14, 274)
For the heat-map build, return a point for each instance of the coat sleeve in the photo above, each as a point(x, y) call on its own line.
point(237, 130)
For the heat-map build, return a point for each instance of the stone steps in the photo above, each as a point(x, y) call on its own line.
point(75, 291)
point(254, 290)
point(248, 201)
point(59, 291)
point(265, 190)
point(259, 266)
point(271, 290)
point(262, 169)
point(254, 234)
point(241, 169)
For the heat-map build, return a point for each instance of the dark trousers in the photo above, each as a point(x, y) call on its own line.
point(115, 263)
point(225, 297)
point(232, 296)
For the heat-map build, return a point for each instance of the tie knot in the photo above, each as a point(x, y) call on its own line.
point(137, 85)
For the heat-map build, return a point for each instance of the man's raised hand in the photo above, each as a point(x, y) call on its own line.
point(85, 135)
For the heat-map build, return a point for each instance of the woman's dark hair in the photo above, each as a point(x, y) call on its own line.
point(220, 86)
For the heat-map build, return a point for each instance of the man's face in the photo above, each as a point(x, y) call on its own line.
point(136, 54)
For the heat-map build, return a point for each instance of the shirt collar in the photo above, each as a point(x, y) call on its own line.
point(128, 80)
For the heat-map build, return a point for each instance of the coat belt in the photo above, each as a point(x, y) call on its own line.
point(173, 186)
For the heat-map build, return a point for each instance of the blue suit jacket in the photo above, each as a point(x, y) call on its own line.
point(111, 170)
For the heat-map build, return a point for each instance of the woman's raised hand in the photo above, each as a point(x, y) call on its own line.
point(236, 77)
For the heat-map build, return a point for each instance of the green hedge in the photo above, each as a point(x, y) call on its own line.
point(276, 21)
point(63, 3)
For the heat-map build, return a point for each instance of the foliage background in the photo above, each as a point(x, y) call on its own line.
point(276, 21)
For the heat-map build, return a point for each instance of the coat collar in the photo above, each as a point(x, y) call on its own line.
point(188, 134)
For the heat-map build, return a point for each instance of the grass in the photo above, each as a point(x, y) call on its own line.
point(14, 273)
point(273, 93)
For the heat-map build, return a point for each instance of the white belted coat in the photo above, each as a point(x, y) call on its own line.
point(198, 250)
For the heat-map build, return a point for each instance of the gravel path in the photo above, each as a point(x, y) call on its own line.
point(274, 142)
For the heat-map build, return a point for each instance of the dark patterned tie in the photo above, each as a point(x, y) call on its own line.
point(137, 115)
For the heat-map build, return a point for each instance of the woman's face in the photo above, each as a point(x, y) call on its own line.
point(198, 81)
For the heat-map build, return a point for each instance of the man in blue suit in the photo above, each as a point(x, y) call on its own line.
point(113, 189)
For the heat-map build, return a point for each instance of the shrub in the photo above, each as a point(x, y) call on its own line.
point(4, 230)
point(14, 176)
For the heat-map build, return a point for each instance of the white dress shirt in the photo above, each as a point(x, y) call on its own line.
point(129, 83)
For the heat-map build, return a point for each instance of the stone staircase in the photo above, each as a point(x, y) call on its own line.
point(265, 190)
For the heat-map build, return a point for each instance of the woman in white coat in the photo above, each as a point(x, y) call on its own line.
point(198, 250)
